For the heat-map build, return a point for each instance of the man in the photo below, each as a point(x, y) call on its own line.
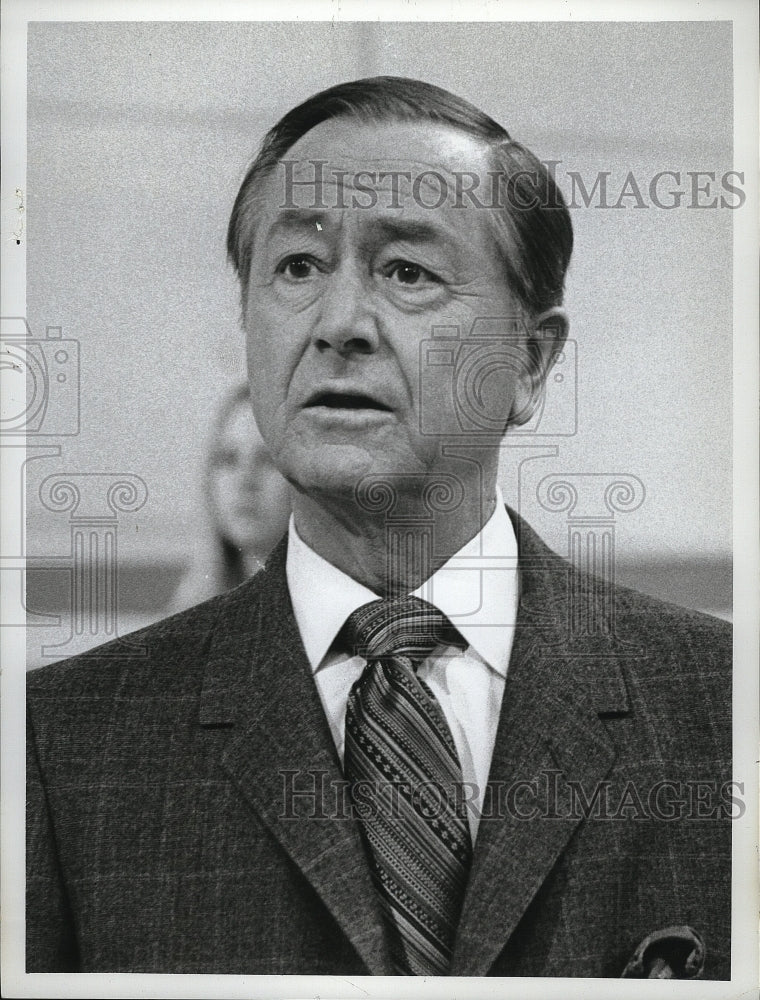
point(390, 752)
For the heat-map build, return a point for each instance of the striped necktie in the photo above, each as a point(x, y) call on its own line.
point(405, 779)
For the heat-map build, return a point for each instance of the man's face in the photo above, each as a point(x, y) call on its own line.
point(344, 288)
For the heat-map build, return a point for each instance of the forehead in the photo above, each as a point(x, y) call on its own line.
point(375, 173)
point(425, 144)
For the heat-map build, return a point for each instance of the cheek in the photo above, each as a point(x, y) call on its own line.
point(274, 343)
point(269, 364)
point(262, 349)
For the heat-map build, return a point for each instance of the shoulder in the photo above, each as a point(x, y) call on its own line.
point(140, 698)
point(164, 643)
point(162, 657)
point(664, 624)
point(674, 664)
point(671, 626)
point(659, 674)
point(682, 664)
point(679, 667)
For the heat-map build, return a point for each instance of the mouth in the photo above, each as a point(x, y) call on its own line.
point(347, 401)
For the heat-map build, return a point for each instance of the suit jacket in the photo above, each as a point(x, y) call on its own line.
point(184, 810)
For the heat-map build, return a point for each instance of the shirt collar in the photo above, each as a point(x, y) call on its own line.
point(475, 588)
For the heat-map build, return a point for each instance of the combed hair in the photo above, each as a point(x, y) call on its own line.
point(532, 211)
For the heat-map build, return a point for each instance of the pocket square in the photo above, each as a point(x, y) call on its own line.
point(671, 953)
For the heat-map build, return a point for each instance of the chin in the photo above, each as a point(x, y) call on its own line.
point(327, 479)
point(337, 470)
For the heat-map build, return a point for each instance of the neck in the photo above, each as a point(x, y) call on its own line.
point(391, 552)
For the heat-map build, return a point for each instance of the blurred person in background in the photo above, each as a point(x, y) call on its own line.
point(246, 504)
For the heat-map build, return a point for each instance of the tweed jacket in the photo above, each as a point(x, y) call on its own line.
point(184, 811)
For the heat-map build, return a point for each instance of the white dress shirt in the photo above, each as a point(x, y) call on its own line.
point(477, 589)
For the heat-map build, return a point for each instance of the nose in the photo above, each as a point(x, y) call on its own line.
point(347, 320)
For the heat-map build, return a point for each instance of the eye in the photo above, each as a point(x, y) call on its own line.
point(297, 268)
point(406, 273)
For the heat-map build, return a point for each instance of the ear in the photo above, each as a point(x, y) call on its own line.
point(545, 341)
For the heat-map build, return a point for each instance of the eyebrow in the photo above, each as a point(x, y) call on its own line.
point(290, 219)
point(411, 230)
point(408, 230)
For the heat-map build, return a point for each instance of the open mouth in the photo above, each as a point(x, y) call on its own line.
point(347, 401)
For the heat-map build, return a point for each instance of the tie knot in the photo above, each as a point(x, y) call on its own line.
point(401, 626)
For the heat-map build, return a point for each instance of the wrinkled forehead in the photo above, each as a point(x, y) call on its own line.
point(422, 149)
point(411, 170)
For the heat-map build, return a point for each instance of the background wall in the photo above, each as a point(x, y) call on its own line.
point(138, 136)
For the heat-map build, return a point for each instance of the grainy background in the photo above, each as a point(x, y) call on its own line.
point(138, 135)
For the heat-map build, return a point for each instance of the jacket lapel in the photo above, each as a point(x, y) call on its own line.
point(549, 734)
point(259, 681)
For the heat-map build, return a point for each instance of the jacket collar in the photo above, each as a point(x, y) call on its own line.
point(258, 681)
